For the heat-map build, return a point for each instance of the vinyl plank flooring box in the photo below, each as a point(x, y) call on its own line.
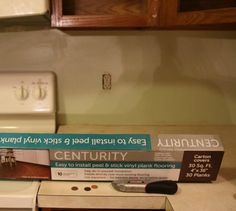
point(179, 157)
point(110, 155)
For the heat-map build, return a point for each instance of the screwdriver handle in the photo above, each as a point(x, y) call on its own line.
point(163, 187)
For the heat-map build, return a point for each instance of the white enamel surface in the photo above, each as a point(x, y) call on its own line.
point(60, 194)
point(27, 102)
point(15, 194)
point(28, 123)
point(27, 93)
point(17, 8)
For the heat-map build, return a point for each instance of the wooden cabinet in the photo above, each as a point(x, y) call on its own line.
point(142, 13)
point(198, 12)
point(105, 13)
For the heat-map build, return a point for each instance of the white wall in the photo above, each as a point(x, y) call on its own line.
point(158, 77)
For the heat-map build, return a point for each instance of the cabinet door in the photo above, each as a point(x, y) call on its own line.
point(198, 12)
point(105, 13)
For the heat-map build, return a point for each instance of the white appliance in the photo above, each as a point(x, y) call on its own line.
point(96, 195)
point(20, 8)
point(27, 104)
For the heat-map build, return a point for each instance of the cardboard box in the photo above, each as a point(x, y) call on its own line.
point(108, 157)
point(178, 157)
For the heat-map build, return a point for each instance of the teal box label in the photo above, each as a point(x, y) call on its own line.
point(76, 141)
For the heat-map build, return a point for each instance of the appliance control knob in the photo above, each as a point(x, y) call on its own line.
point(39, 93)
point(21, 93)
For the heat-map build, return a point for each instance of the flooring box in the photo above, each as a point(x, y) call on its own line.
point(178, 157)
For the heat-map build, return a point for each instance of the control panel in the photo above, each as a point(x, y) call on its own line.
point(27, 92)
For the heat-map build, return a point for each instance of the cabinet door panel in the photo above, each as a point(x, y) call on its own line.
point(104, 13)
point(104, 7)
point(198, 12)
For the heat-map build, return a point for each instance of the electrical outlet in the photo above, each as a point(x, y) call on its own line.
point(106, 81)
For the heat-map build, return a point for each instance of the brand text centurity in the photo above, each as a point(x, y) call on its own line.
point(90, 155)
